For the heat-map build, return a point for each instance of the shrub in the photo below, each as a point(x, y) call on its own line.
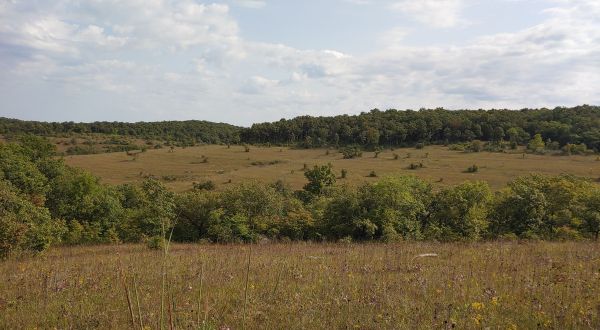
point(473, 169)
point(351, 152)
point(476, 146)
point(344, 173)
point(414, 166)
point(420, 145)
point(460, 212)
point(204, 185)
point(156, 243)
point(24, 226)
point(372, 174)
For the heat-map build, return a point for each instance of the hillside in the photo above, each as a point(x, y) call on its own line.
point(370, 130)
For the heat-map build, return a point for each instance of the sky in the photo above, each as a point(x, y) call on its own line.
point(248, 61)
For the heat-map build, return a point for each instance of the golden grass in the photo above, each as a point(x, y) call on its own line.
point(442, 166)
point(308, 286)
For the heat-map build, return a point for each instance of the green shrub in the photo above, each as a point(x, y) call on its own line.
point(156, 243)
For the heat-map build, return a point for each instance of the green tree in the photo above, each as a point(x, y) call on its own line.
point(24, 226)
point(539, 206)
point(319, 178)
point(537, 143)
point(388, 209)
point(460, 212)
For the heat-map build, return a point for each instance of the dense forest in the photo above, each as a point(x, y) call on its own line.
point(185, 132)
point(44, 202)
point(401, 128)
point(561, 126)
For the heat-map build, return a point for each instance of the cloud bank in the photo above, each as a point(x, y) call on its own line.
point(181, 59)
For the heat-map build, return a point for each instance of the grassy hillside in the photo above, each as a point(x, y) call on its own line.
point(182, 166)
point(306, 286)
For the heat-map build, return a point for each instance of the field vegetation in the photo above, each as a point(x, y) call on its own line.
point(499, 285)
point(496, 228)
point(443, 166)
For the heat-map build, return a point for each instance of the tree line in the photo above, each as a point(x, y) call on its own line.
point(577, 125)
point(559, 126)
point(183, 132)
point(44, 202)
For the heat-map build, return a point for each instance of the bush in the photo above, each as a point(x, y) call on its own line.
point(204, 185)
point(414, 166)
point(420, 145)
point(344, 173)
point(156, 243)
point(24, 226)
point(473, 169)
point(476, 146)
point(351, 152)
point(372, 174)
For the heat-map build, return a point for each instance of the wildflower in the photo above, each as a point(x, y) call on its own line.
point(495, 301)
point(477, 306)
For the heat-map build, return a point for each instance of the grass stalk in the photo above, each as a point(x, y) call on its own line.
point(246, 286)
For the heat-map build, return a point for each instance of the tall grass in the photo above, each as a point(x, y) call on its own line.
point(307, 286)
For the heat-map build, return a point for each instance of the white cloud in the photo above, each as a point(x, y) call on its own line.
point(179, 59)
point(436, 13)
point(251, 3)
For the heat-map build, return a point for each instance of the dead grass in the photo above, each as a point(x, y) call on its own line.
point(308, 286)
point(441, 167)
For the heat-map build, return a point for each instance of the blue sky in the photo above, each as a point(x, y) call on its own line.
point(245, 61)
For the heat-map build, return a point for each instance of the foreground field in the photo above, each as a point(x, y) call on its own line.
point(308, 286)
point(180, 168)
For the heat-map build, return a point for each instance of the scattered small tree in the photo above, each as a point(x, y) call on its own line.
point(319, 178)
point(536, 144)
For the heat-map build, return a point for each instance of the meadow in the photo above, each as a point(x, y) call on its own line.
point(180, 167)
point(499, 285)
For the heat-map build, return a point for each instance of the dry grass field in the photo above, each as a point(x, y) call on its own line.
point(441, 166)
point(307, 286)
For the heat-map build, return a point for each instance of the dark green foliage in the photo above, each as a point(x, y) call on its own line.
point(183, 132)
point(402, 128)
point(371, 129)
